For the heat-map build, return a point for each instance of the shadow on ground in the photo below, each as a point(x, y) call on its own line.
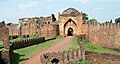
point(16, 58)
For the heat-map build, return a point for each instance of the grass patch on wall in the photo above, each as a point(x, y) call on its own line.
point(24, 53)
point(34, 36)
point(1, 44)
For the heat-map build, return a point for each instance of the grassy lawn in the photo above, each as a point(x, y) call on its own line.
point(91, 47)
point(73, 44)
point(24, 53)
point(97, 48)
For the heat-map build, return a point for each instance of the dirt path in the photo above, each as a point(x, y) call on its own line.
point(35, 59)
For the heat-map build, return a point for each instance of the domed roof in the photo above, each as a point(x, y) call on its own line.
point(71, 11)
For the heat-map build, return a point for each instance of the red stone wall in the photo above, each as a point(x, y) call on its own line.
point(102, 58)
point(106, 35)
point(13, 29)
point(76, 25)
point(50, 31)
point(27, 42)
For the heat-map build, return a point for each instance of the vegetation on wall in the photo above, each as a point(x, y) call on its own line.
point(34, 36)
point(81, 61)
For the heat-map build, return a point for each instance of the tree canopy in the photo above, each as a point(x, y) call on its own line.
point(85, 16)
point(117, 20)
point(92, 20)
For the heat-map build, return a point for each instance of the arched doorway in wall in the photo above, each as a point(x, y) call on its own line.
point(70, 28)
point(70, 32)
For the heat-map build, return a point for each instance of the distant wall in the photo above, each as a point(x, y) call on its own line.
point(107, 35)
point(50, 31)
point(13, 29)
point(25, 43)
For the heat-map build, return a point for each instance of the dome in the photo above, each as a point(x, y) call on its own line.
point(71, 11)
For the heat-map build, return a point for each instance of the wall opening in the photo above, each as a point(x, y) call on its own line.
point(55, 61)
point(70, 32)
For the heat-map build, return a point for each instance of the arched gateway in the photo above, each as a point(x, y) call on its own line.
point(70, 22)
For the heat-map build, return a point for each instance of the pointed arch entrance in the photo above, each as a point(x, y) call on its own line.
point(70, 27)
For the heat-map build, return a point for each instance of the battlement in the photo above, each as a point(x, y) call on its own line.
point(105, 34)
point(103, 25)
point(35, 18)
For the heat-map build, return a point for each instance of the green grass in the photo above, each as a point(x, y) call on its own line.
point(1, 44)
point(34, 36)
point(73, 44)
point(81, 61)
point(90, 47)
point(97, 48)
point(18, 39)
point(24, 53)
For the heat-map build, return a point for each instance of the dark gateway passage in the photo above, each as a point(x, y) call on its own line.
point(70, 32)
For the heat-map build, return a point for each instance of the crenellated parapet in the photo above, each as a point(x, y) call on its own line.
point(105, 34)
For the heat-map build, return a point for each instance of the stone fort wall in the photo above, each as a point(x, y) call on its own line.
point(105, 34)
point(44, 26)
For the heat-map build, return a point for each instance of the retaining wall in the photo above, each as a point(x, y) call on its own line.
point(110, 58)
point(25, 43)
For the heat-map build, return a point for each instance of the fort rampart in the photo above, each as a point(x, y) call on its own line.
point(106, 34)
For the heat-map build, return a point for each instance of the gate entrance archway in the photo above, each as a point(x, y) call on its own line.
point(70, 32)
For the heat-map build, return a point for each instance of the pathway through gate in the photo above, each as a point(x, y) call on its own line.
point(35, 59)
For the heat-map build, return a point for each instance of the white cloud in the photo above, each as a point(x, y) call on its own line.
point(28, 5)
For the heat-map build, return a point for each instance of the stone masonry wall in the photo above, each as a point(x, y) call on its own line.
point(101, 57)
point(50, 31)
point(4, 36)
point(106, 35)
point(25, 43)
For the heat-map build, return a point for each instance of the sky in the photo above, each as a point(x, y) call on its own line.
point(102, 10)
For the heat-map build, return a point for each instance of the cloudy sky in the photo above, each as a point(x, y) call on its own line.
point(102, 10)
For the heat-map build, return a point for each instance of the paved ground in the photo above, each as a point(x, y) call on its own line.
point(35, 59)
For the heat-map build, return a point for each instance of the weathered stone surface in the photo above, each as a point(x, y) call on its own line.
point(4, 36)
point(106, 35)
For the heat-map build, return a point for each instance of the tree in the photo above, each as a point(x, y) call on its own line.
point(53, 17)
point(117, 20)
point(111, 21)
point(92, 20)
point(84, 17)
